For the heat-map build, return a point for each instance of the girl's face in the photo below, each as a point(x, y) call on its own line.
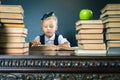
point(49, 27)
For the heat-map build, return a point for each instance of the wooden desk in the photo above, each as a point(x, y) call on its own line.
point(40, 65)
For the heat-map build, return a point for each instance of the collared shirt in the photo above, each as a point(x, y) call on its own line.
point(50, 41)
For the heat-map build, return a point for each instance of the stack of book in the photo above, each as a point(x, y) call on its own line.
point(111, 18)
point(90, 36)
point(12, 30)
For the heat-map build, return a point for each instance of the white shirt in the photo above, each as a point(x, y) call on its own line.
point(50, 41)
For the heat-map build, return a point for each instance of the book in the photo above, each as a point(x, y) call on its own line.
point(90, 31)
point(113, 51)
point(110, 13)
point(7, 25)
point(49, 48)
point(11, 9)
point(113, 36)
point(88, 22)
point(113, 30)
point(92, 46)
point(90, 36)
point(15, 51)
point(112, 24)
point(11, 20)
point(12, 39)
point(111, 19)
point(110, 7)
point(14, 44)
point(113, 43)
point(90, 26)
point(12, 35)
point(14, 30)
point(80, 52)
point(84, 41)
point(11, 15)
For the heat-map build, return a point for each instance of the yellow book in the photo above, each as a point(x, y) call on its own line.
point(7, 25)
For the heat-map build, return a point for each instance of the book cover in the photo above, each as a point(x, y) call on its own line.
point(110, 7)
point(11, 20)
point(112, 24)
point(80, 52)
point(12, 39)
point(11, 8)
point(89, 36)
point(113, 36)
point(15, 51)
point(110, 13)
point(92, 46)
point(113, 43)
point(84, 41)
point(113, 51)
point(111, 19)
point(11, 15)
point(7, 25)
point(8, 35)
point(90, 31)
point(14, 44)
point(113, 30)
point(88, 22)
point(90, 26)
point(13, 30)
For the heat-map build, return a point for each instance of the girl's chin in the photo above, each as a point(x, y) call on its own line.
point(49, 35)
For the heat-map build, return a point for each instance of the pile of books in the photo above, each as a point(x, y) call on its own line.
point(90, 36)
point(12, 30)
point(111, 19)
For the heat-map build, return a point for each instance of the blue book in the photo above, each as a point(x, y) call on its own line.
point(113, 51)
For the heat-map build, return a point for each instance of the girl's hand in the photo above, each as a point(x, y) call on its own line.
point(35, 43)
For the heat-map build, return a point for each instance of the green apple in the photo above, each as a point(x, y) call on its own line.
point(85, 14)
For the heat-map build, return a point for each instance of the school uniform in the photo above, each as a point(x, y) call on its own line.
point(54, 40)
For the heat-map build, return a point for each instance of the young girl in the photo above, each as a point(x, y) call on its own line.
point(49, 26)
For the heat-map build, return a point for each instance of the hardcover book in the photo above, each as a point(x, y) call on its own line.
point(84, 41)
point(81, 52)
point(111, 7)
point(11, 9)
point(14, 44)
point(81, 31)
point(7, 25)
point(89, 36)
point(12, 39)
point(90, 26)
point(113, 36)
point(88, 22)
point(14, 51)
point(113, 30)
point(11, 20)
point(11, 15)
point(13, 30)
point(113, 43)
point(92, 46)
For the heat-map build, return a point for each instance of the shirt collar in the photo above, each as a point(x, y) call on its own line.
point(52, 38)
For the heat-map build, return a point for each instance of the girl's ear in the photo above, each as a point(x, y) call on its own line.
point(56, 28)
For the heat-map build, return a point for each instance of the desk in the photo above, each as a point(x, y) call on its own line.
point(40, 65)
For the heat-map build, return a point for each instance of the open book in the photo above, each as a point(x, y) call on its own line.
point(49, 47)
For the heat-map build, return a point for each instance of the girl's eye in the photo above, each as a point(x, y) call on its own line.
point(51, 26)
point(45, 26)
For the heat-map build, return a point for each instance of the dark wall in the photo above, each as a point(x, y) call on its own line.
point(67, 12)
